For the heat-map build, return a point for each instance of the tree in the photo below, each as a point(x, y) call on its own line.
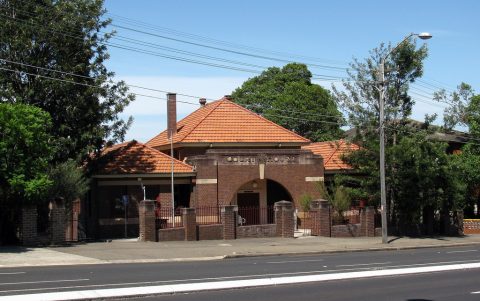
point(359, 96)
point(464, 110)
point(287, 97)
point(65, 36)
point(25, 149)
point(69, 182)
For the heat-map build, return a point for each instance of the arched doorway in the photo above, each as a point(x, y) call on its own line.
point(255, 200)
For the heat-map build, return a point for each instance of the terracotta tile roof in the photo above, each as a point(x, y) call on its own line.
point(227, 122)
point(332, 152)
point(136, 158)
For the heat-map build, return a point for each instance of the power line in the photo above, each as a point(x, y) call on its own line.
point(93, 78)
point(177, 58)
point(86, 85)
point(193, 36)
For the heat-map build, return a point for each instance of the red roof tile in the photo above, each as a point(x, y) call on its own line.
point(227, 122)
point(136, 158)
point(332, 152)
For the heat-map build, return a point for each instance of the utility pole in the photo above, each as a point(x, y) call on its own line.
point(383, 194)
point(381, 107)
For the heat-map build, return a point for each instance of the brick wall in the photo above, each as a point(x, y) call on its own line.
point(189, 223)
point(209, 232)
point(233, 174)
point(284, 223)
point(57, 221)
point(350, 230)
point(229, 221)
point(171, 234)
point(256, 231)
point(471, 226)
point(29, 225)
point(147, 221)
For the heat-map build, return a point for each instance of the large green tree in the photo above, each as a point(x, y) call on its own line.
point(288, 97)
point(25, 150)
point(65, 36)
point(464, 111)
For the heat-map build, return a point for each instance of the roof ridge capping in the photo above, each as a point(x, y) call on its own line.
point(225, 99)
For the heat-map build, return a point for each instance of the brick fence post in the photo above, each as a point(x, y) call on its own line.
point(314, 217)
point(369, 221)
point(190, 223)
point(57, 221)
point(325, 220)
point(229, 221)
point(146, 220)
point(284, 219)
point(29, 225)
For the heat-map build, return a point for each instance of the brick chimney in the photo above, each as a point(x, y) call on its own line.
point(171, 114)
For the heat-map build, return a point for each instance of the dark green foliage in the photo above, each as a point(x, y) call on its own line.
point(287, 97)
point(68, 182)
point(65, 36)
point(25, 149)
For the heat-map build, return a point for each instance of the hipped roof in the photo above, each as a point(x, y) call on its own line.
point(224, 121)
point(332, 152)
point(136, 158)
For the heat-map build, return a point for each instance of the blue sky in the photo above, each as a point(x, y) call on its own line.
point(331, 32)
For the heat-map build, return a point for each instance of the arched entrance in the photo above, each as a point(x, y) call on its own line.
point(255, 200)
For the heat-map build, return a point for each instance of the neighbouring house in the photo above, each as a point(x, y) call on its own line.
point(332, 153)
point(223, 154)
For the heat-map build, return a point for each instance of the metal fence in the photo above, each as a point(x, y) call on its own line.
point(208, 215)
point(168, 218)
point(255, 215)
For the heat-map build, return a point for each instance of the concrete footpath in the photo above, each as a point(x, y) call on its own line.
point(131, 251)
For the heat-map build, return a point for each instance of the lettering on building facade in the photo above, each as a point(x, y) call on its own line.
point(260, 159)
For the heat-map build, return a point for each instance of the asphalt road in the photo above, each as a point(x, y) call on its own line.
point(34, 280)
point(451, 286)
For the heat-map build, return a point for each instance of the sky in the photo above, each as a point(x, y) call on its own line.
point(249, 36)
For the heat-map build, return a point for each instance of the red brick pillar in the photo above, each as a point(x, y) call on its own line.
point(57, 221)
point(314, 217)
point(190, 223)
point(325, 221)
point(229, 221)
point(284, 219)
point(370, 220)
point(367, 222)
point(146, 211)
point(29, 225)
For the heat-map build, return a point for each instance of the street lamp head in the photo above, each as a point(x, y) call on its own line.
point(424, 35)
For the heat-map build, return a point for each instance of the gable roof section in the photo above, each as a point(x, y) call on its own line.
point(332, 152)
point(136, 158)
point(224, 121)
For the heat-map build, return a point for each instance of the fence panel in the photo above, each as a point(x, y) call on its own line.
point(208, 215)
point(168, 218)
point(255, 215)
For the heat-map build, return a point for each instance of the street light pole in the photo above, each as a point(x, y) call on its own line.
point(381, 105)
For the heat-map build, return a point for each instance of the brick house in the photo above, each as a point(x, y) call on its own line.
point(332, 153)
point(223, 154)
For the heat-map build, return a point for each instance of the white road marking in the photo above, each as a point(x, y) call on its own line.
point(231, 284)
point(363, 264)
point(475, 293)
point(12, 273)
point(143, 283)
point(43, 281)
point(293, 261)
point(465, 251)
